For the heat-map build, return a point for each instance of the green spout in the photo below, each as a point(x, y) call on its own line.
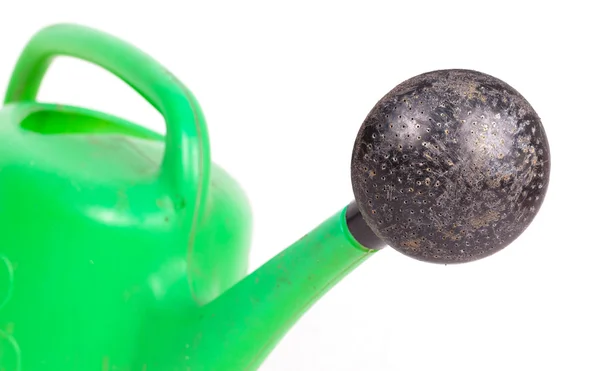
point(240, 328)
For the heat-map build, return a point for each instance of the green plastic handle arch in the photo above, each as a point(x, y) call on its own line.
point(187, 152)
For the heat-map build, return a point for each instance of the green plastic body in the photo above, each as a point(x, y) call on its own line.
point(125, 250)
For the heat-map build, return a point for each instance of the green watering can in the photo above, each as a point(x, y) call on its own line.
point(138, 254)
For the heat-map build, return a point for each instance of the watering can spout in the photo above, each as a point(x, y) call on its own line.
point(239, 328)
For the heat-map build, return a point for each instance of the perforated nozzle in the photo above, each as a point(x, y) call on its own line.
point(450, 166)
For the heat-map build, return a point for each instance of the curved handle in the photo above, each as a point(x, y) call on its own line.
point(187, 153)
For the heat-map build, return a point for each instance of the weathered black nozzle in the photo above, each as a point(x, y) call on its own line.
point(450, 166)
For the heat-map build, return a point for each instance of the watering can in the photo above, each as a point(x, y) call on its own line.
point(137, 256)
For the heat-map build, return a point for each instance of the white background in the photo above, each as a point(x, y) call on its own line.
point(285, 86)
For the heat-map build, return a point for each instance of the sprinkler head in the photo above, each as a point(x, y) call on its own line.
point(450, 166)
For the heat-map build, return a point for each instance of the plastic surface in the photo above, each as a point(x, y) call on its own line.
point(249, 320)
point(105, 224)
point(123, 250)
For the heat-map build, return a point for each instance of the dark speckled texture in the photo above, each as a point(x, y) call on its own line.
point(450, 166)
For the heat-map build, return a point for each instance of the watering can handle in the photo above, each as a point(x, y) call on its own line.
point(186, 160)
